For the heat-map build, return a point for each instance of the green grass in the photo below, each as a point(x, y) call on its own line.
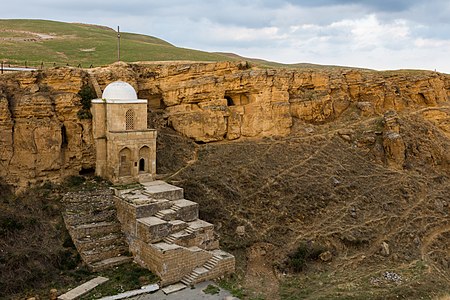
point(211, 290)
point(121, 279)
point(83, 44)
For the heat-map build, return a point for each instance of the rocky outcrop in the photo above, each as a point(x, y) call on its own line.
point(393, 143)
point(43, 138)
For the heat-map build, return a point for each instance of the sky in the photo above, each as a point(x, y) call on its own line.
point(376, 34)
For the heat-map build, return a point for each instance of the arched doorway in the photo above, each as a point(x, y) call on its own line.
point(125, 162)
point(142, 165)
point(144, 158)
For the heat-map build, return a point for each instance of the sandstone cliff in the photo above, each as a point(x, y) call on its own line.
point(42, 137)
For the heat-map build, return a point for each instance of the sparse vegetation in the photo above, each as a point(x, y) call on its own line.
point(233, 285)
point(87, 94)
point(211, 290)
point(37, 253)
point(122, 278)
point(304, 253)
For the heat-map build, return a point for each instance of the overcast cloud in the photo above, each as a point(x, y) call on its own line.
point(378, 34)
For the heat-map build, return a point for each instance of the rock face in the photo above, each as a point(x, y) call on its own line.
point(43, 138)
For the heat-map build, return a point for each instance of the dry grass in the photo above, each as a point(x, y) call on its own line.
point(324, 190)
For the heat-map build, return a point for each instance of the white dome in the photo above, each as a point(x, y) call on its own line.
point(119, 90)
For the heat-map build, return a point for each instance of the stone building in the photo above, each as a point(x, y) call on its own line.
point(162, 229)
point(125, 148)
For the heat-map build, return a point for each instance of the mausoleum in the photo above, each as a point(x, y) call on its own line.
point(161, 228)
point(125, 148)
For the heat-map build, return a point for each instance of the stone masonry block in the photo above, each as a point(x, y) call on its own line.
point(147, 210)
point(152, 229)
point(186, 210)
point(162, 190)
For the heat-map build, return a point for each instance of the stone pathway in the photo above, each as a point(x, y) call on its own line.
point(189, 294)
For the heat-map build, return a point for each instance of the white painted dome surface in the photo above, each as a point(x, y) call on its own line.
point(119, 90)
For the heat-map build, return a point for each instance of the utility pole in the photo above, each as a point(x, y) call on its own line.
point(118, 43)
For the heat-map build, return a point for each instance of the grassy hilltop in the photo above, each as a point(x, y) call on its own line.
point(50, 41)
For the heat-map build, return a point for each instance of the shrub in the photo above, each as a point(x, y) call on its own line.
point(304, 253)
point(87, 94)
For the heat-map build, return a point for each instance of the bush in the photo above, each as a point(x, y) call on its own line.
point(74, 181)
point(87, 94)
point(304, 253)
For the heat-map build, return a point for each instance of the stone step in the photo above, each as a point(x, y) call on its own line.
point(186, 282)
point(89, 217)
point(209, 265)
point(94, 229)
point(83, 289)
point(173, 288)
point(152, 229)
point(94, 82)
point(169, 239)
point(199, 233)
point(215, 259)
point(175, 207)
point(189, 230)
point(189, 279)
point(199, 226)
point(151, 208)
point(179, 238)
point(186, 210)
point(102, 253)
point(87, 243)
point(76, 207)
point(162, 190)
point(109, 263)
point(177, 225)
point(200, 271)
point(167, 214)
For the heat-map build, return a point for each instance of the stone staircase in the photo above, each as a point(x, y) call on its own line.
point(165, 234)
point(95, 85)
point(193, 277)
point(91, 220)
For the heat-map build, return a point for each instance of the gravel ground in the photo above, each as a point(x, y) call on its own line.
point(188, 294)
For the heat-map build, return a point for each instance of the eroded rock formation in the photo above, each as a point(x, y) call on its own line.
point(42, 137)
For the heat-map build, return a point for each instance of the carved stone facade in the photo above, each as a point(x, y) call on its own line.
point(125, 148)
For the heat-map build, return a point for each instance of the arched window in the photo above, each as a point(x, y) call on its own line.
point(129, 119)
point(144, 159)
point(125, 162)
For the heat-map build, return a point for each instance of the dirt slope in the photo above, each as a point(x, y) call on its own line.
point(331, 187)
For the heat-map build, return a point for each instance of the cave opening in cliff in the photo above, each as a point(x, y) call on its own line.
point(64, 142)
point(230, 101)
point(87, 171)
point(237, 98)
point(155, 101)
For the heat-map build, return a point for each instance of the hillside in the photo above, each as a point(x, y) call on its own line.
point(37, 41)
point(330, 183)
point(59, 44)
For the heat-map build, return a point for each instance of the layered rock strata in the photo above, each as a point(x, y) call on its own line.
point(43, 138)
